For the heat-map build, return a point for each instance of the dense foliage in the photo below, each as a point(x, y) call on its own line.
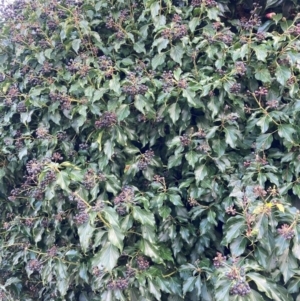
point(150, 150)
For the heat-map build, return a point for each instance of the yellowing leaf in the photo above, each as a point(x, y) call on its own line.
point(259, 209)
point(280, 207)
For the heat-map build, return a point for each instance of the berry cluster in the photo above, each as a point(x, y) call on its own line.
point(52, 24)
point(126, 196)
point(34, 167)
point(97, 272)
point(106, 65)
point(13, 92)
point(262, 91)
point(63, 99)
point(29, 222)
point(286, 231)
point(89, 179)
point(107, 120)
point(168, 81)
point(240, 68)
point(273, 104)
point(49, 177)
point(35, 265)
point(291, 81)
point(83, 146)
point(259, 191)
point(61, 136)
point(52, 251)
point(204, 147)
point(200, 133)
point(46, 69)
point(233, 274)
point(83, 71)
point(185, 140)
point(230, 210)
point(42, 133)
point(225, 38)
point(142, 263)
point(21, 107)
point(240, 288)
point(177, 31)
point(14, 193)
point(73, 66)
point(80, 204)
point(295, 30)
point(98, 206)
point(111, 24)
point(130, 272)
point(249, 24)
point(33, 79)
point(260, 36)
point(182, 83)
point(193, 202)
point(207, 3)
point(81, 218)
point(145, 160)
point(120, 283)
point(135, 87)
point(2, 77)
point(56, 157)
point(121, 209)
point(219, 260)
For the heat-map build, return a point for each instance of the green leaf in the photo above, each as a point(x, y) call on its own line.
point(114, 84)
point(139, 47)
point(234, 227)
point(219, 146)
point(85, 233)
point(161, 43)
point(190, 95)
point(143, 216)
point(263, 75)
point(140, 103)
point(264, 123)
point(174, 160)
point(283, 73)
point(154, 8)
point(238, 246)
point(286, 131)
point(116, 237)
point(62, 179)
point(158, 60)
point(76, 45)
point(231, 135)
point(107, 257)
point(176, 54)
point(111, 216)
point(192, 158)
point(150, 250)
point(174, 111)
point(123, 112)
point(188, 284)
point(175, 199)
point(194, 23)
point(200, 173)
point(261, 52)
point(62, 277)
point(287, 265)
point(273, 290)
point(264, 141)
point(153, 289)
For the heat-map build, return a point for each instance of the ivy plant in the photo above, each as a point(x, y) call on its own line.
point(150, 150)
